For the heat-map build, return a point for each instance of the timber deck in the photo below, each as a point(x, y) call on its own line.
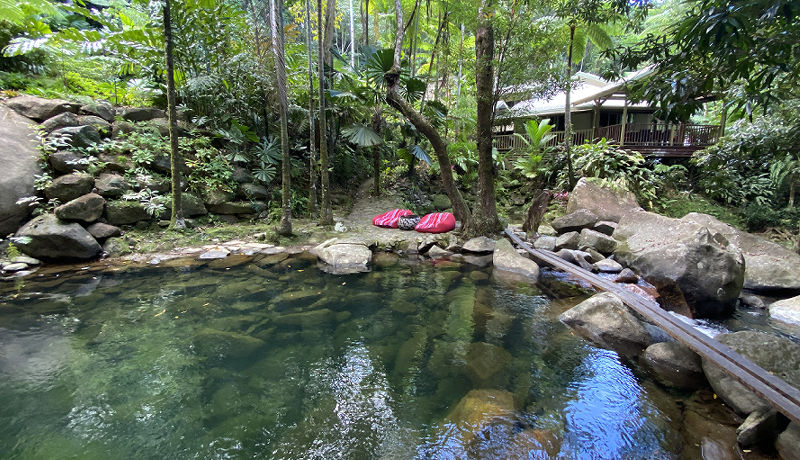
point(782, 396)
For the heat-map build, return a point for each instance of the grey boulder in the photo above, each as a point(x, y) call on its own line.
point(574, 221)
point(65, 162)
point(39, 108)
point(101, 109)
point(47, 237)
point(604, 244)
point(480, 245)
point(510, 265)
point(697, 273)
point(568, 240)
point(786, 310)
point(768, 266)
point(343, 258)
point(87, 208)
point(141, 113)
point(111, 185)
point(69, 187)
point(606, 321)
point(777, 355)
point(125, 212)
point(78, 136)
point(603, 202)
point(191, 205)
point(62, 120)
point(675, 365)
point(20, 161)
point(101, 231)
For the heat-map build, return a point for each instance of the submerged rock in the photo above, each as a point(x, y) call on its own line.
point(474, 415)
point(788, 442)
point(674, 364)
point(777, 355)
point(509, 264)
point(485, 363)
point(604, 320)
point(219, 345)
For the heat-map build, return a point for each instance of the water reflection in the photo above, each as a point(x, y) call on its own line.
point(267, 360)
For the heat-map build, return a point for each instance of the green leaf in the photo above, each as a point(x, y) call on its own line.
point(362, 136)
point(598, 35)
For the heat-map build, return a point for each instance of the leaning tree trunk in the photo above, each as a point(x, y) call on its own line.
point(568, 112)
point(176, 219)
point(326, 216)
point(376, 151)
point(285, 227)
point(312, 150)
point(485, 220)
point(424, 126)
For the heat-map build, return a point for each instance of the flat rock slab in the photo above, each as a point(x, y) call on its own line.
point(215, 253)
point(480, 245)
point(343, 258)
point(787, 310)
point(507, 261)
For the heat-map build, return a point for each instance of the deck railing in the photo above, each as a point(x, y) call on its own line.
point(661, 134)
point(513, 142)
point(636, 135)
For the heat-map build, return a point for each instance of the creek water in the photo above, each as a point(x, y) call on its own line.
point(275, 359)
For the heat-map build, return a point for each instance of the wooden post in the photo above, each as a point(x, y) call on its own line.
point(595, 118)
point(624, 122)
point(723, 119)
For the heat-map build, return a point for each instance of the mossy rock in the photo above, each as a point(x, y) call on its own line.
point(441, 202)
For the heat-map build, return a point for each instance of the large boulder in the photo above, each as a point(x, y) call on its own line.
point(697, 273)
point(777, 355)
point(141, 113)
point(605, 203)
point(62, 120)
point(786, 310)
point(606, 321)
point(102, 126)
point(674, 364)
point(125, 212)
point(343, 258)
point(19, 159)
point(254, 192)
point(234, 207)
point(111, 185)
point(788, 442)
point(87, 208)
point(101, 231)
point(768, 266)
point(79, 136)
point(39, 108)
point(190, 205)
point(509, 264)
point(47, 237)
point(604, 244)
point(65, 162)
point(101, 109)
point(574, 221)
point(69, 187)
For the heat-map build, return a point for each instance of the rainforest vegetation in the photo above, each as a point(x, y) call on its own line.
point(314, 97)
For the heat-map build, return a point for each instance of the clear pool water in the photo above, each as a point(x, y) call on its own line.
point(275, 359)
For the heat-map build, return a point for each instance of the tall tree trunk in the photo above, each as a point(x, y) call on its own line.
point(326, 215)
point(176, 219)
point(376, 151)
point(285, 227)
point(568, 112)
point(365, 24)
point(330, 23)
point(485, 220)
point(460, 63)
point(352, 38)
point(393, 98)
point(312, 150)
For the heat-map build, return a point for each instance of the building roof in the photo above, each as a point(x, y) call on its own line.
point(589, 89)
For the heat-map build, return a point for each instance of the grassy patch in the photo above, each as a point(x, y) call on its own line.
point(678, 204)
